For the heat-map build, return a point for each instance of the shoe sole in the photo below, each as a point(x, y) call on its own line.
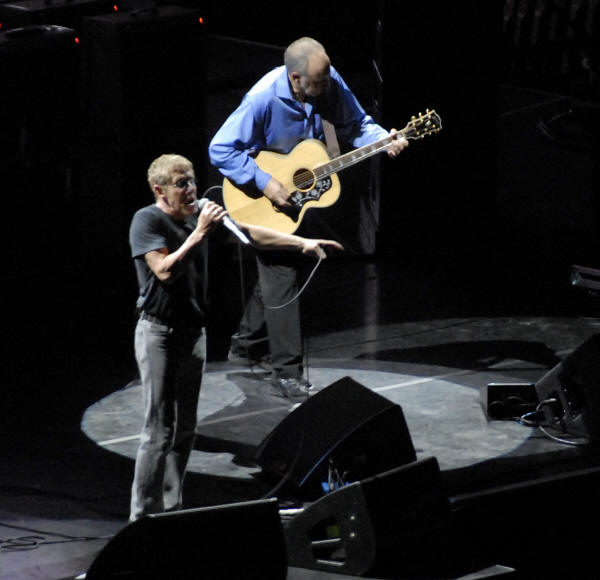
point(282, 395)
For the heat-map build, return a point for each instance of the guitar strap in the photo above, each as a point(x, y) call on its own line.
point(333, 147)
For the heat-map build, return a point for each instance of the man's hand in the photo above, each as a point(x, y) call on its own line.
point(168, 266)
point(316, 248)
point(397, 145)
point(277, 194)
point(211, 214)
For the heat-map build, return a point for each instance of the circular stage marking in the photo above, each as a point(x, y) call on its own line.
point(445, 419)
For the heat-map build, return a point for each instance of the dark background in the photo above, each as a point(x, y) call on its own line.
point(505, 197)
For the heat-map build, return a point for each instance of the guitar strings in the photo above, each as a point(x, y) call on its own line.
point(307, 178)
point(430, 121)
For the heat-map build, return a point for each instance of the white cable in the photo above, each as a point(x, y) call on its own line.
point(301, 289)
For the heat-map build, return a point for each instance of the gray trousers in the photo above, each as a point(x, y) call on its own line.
point(171, 362)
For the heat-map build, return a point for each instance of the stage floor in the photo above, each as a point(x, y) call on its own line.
point(65, 485)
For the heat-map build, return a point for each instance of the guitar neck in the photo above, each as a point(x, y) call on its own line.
point(356, 156)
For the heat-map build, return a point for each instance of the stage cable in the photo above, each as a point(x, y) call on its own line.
point(244, 304)
point(24, 543)
point(306, 339)
point(288, 473)
point(8, 491)
point(525, 420)
point(270, 307)
point(241, 272)
point(205, 192)
point(301, 291)
point(242, 279)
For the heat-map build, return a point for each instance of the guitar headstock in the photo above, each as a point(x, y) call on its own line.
point(424, 124)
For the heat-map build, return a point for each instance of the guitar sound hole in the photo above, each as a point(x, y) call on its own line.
point(304, 179)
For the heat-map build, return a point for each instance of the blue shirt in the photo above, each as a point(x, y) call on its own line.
point(269, 118)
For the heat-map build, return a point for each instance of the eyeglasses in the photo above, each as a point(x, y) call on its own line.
point(184, 183)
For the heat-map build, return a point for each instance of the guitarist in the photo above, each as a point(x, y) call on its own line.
point(285, 107)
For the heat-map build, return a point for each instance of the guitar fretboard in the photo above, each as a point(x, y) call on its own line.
point(354, 157)
point(416, 129)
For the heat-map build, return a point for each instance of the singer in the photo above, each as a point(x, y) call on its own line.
point(167, 240)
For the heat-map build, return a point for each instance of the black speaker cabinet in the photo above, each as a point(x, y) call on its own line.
point(144, 78)
point(575, 385)
point(562, 503)
point(38, 118)
point(395, 523)
point(39, 100)
point(344, 433)
point(241, 540)
point(69, 13)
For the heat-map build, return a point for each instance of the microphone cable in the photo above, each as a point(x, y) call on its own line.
point(299, 448)
point(269, 307)
point(300, 292)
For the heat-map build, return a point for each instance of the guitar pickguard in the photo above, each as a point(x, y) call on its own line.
point(299, 198)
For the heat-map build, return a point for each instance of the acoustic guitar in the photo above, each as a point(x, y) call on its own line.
point(310, 175)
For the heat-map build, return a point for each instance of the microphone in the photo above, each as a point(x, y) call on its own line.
point(227, 222)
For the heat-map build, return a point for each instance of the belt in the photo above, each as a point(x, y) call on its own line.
point(155, 319)
point(179, 325)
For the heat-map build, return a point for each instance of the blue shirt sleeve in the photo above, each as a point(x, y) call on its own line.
point(232, 148)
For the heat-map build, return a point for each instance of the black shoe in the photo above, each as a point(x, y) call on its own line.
point(290, 388)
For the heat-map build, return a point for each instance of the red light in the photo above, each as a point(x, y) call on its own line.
point(115, 8)
point(77, 40)
point(201, 20)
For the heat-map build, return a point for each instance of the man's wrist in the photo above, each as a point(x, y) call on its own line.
point(261, 179)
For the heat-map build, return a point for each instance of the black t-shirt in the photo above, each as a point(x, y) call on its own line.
point(178, 301)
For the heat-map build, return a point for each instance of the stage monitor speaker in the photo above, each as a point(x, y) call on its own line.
point(241, 540)
point(575, 385)
point(344, 433)
point(395, 523)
